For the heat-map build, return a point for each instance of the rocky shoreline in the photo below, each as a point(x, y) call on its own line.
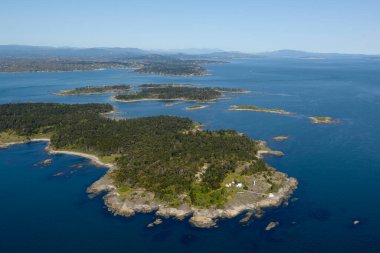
point(201, 218)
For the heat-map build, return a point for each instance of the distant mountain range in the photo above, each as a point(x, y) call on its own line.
point(37, 51)
point(22, 51)
point(311, 55)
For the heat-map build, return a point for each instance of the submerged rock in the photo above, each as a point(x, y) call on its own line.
point(78, 166)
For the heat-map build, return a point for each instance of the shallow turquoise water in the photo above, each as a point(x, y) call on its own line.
point(338, 166)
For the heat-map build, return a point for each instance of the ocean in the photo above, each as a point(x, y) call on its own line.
point(45, 208)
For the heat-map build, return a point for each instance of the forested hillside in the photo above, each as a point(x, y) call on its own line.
point(162, 154)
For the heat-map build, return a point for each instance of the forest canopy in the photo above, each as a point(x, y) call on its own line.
point(172, 92)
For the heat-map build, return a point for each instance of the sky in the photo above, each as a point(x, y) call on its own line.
point(340, 26)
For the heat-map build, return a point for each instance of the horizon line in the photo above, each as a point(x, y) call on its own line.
point(178, 50)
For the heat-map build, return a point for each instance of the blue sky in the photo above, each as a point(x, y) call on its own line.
point(351, 26)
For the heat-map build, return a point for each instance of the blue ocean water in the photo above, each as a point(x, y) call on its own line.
point(338, 166)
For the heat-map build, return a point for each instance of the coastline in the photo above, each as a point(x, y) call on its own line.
point(4, 145)
point(62, 93)
point(265, 150)
point(199, 217)
point(94, 159)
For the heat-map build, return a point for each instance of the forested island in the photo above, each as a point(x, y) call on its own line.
point(183, 69)
point(88, 90)
point(163, 163)
point(164, 85)
point(175, 92)
point(258, 109)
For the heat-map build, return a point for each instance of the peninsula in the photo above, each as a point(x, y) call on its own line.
point(160, 164)
point(175, 92)
point(258, 109)
point(89, 90)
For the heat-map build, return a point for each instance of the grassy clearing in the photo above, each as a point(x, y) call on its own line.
point(109, 159)
point(10, 136)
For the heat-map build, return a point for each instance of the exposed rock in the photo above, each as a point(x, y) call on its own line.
point(272, 225)
point(47, 161)
point(202, 222)
point(356, 222)
point(280, 138)
point(246, 218)
point(3, 146)
point(103, 184)
point(265, 150)
point(261, 153)
point(158, 221)
point(259, 213)
point(178, 213)
point(322, 120)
